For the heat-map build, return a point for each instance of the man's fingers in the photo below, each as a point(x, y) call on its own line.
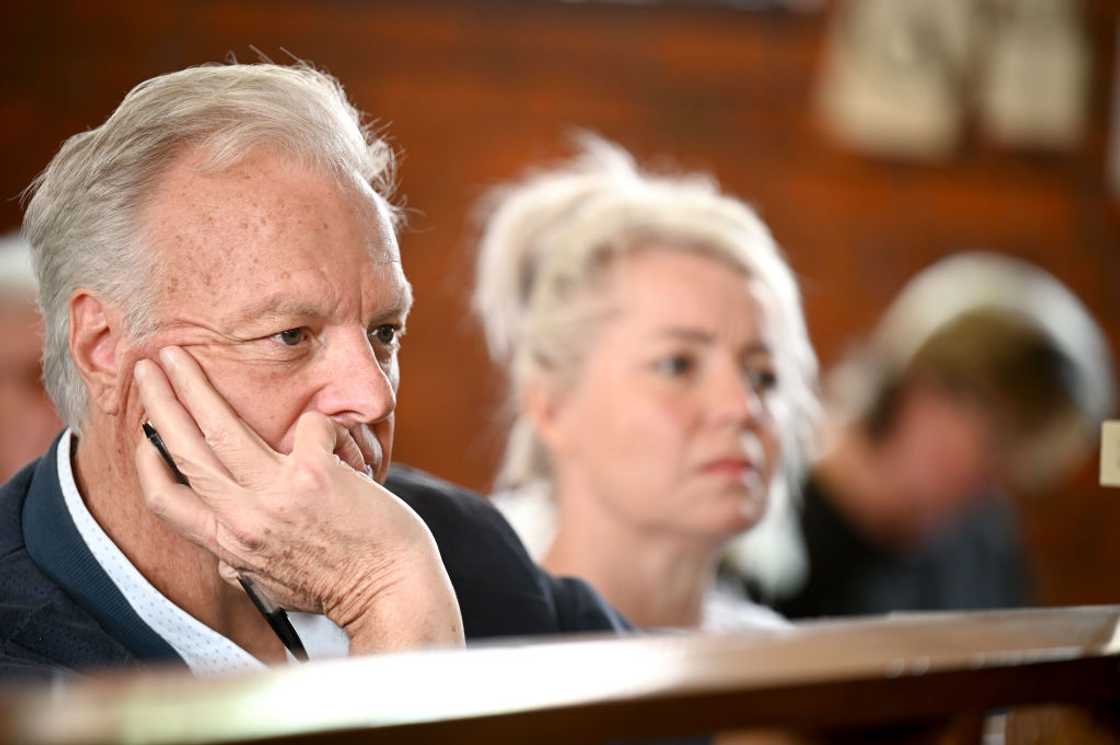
point(229, 574)
point(316, 433)
point(184, 441)
point(175, 504)
point(346, 449)
point(235, 444)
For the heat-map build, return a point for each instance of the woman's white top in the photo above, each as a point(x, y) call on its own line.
point(532, 514)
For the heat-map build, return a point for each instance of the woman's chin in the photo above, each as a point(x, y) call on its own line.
point(744, 512)
point(733, 519)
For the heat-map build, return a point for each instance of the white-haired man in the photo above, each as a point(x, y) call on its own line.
point(219, 259)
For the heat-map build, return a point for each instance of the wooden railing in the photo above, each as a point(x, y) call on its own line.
point(911, 678)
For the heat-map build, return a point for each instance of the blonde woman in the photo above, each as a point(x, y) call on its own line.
point(662, 380)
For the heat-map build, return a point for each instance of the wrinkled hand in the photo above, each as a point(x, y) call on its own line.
point(309, 530)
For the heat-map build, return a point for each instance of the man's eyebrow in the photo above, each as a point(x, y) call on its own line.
point(276, 306)
point(699, 336)
point(280, 306)
point(398, 308)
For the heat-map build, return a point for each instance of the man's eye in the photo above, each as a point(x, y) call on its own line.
point(386, 335)
point(290, 337)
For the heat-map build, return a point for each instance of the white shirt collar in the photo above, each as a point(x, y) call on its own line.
point(204, 650)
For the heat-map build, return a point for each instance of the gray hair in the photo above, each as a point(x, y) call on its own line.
point(543, 247)
point(82, 220)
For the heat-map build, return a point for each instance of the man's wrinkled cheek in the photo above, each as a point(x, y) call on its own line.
point(255, 395)
point(272, 407)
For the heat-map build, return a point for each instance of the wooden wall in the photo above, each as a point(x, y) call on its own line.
point(475, 92)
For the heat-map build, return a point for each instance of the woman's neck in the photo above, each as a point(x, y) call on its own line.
point(655, 579)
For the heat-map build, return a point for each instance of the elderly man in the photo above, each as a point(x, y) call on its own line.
point(219, 259)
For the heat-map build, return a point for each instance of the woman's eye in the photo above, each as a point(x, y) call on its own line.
point(675, 365)
point(762, 380)
point(291, 337)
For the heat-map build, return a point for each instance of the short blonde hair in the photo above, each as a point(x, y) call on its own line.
point(545, 242)
point(82, 220)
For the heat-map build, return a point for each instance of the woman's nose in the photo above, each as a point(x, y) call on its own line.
point(733, 396)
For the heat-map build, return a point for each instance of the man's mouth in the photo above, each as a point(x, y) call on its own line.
point(364, 467)
point(370, 449)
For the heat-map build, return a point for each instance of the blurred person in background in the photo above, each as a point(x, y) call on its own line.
point(985, 377)
point(28, 420)
point(662, 380)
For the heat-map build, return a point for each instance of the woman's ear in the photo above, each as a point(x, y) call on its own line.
point(96, 333)
point(544, 407)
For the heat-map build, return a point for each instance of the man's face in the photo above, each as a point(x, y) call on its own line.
point(288, 290)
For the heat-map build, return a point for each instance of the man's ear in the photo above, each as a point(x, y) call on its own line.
point(96, 333)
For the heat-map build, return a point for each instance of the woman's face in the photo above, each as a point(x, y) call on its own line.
point(668, 425)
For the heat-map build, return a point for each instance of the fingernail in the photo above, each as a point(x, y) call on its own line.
point(167, 356)
point(140, 371)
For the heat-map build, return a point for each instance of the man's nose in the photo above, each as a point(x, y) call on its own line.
point(357, 388)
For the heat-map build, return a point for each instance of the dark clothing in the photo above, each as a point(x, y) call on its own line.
point(60, 612)
point(975, 563)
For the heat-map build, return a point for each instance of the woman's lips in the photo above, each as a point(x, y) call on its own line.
point(730, 466)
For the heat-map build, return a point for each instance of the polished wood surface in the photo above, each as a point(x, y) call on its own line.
point(1064, 725)
point(907, 674)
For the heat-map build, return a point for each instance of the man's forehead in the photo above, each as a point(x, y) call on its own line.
point(384, 293)
point(264, 189)
point(266, 226)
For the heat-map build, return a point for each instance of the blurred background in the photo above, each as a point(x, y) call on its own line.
point(874, 137)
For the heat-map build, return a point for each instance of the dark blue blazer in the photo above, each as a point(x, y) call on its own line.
point(60, 613)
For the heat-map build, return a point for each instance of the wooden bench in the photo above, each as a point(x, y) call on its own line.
point(906, 678)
